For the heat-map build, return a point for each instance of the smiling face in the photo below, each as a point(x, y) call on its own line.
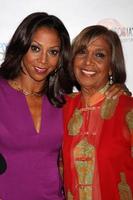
point(92, 64)
point(43, 55)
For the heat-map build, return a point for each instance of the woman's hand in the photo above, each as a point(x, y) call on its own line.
point(116, 90)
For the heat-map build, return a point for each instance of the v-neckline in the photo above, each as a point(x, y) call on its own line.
point(27, 109)
point(31, 117)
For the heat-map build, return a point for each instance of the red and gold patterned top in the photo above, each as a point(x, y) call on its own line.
point(98, 139)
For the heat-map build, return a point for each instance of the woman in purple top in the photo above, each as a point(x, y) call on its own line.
point(33, 80)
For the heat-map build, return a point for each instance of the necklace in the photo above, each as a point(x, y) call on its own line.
point(16, 86)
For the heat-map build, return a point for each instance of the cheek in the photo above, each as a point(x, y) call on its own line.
point(106, 70)
point(27, 59)
point(104, 73)
point(104, 67)
point(77, 74)
point(27, 62)
point(76, 65)
point(54, 62)
point(75, 70)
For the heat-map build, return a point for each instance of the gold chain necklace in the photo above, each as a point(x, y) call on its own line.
point(16, 86)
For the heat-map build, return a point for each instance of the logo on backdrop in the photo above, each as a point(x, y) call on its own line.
point(2, 51)
point(125, 33)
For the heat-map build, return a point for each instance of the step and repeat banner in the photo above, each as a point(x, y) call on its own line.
point(76, 15)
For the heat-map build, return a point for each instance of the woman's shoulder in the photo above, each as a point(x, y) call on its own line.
point(126, 98)
point(126, 101)
point(2, 83)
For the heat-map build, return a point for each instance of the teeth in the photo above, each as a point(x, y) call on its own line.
point(88, 72)
point(40, 69)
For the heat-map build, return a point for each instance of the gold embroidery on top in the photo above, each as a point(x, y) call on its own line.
point(69, 196)
point(124, 189)
point(108, 108)
point(85, 193)
point(131, 151)
point(129, 119)
point(84, 159)
point(75, 123)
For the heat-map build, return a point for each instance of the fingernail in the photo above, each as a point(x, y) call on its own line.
point(108, 97)
point(114, 97)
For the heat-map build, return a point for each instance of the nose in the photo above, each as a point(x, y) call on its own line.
point(43, 57)
point(89, 59)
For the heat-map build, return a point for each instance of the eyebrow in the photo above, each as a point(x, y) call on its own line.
point(41, 44)
point(101, 49)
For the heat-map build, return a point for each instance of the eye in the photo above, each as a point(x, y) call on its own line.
point(35, 48)
point(81, 51)
point(100, 55)
point(54, 52)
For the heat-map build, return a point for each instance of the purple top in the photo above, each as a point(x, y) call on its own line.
point(32, 171)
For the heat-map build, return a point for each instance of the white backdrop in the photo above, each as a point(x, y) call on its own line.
point(76, 14)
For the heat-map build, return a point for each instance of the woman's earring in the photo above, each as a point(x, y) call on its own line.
point(57, 69)
point(110, 79)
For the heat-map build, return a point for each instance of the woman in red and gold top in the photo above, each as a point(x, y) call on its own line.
point(97, 149)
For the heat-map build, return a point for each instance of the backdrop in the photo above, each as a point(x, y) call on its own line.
point(76, 14)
